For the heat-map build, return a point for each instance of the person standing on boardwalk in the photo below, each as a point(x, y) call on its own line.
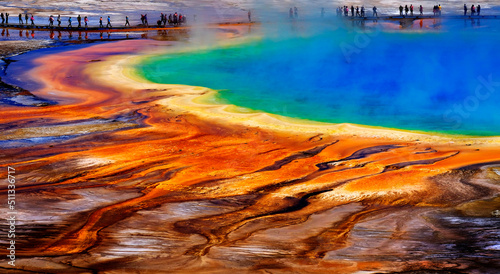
point(32, 20)
point(411, 9)
point(357, 11)
point(100, 22)
point(250, 16)
point(6, 18)
point(51, 21)
point(375, 14)
point(86, 20)
point(472, 10)
point(362, 11)
point(478, 10)
point(352, 11)
point(406, 10)
point(26, 18)
point(401, 10)
point(126, 21)
point(439, 9)
point(3, 18)
point(59, 20)
point(109, 23)
point(69, 22)
point(79, 19)
point(421, 9)
point(21, 19)
point(146, 20)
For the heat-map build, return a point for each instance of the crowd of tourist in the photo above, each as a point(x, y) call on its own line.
point(175, 19)
point(403, 11)
point(473, 10)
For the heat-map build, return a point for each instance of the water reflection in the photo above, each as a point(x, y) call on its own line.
point(81, 35)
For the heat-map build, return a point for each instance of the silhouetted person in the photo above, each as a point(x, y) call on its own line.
point(100, 22)
point(3, 18)
point(465, 9)
point(249, 16)
point(401, 10)
point(79, 19)
point(86, 21)
point(69, 22)
point(478, 10)
point(352, 11)
point(32, 20)
point(26, 18)
point(146, 19)
point(472, 10)
point(421, 10)
point(109, 23)
point(127, 23)
point(51, 21)
point(375, 14)
point(6, 18)
point(357, 12)
point(21, 19)
point(411, 9)
point(59, 20)
point(362, 11)
point(406, 10)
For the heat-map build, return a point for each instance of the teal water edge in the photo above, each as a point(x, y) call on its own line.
point(444, 81)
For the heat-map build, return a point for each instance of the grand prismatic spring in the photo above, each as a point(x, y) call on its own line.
point(304, 145)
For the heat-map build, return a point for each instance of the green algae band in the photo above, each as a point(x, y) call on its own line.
point(441, 82)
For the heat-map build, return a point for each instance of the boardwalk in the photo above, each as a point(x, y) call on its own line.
point(90, 28)
point(168, 26)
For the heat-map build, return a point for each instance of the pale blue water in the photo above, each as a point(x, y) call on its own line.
point(430, 81)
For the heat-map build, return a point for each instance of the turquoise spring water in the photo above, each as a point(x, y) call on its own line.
point(442, 82)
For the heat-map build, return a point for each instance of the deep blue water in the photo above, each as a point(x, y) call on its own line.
point(434, 81)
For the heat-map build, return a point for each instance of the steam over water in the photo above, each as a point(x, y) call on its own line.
point(443, 81)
